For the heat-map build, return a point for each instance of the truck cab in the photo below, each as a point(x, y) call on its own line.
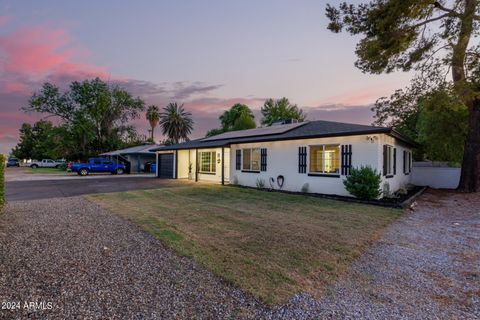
point(98, 165)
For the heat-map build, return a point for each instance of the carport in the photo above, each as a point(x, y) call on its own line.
point(138, 158)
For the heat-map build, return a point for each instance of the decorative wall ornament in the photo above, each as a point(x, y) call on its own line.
point(280, 181)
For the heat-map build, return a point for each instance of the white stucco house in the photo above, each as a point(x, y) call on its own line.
point(289, 156)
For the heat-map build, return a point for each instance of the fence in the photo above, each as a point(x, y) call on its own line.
point(435, 175)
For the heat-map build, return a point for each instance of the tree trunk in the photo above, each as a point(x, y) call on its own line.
point(153, 128)
point(470, 175)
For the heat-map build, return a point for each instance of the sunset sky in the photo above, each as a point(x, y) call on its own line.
point(205, 54)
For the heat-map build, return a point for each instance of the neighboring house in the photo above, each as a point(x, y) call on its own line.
point(136, 159)
point(289, 156)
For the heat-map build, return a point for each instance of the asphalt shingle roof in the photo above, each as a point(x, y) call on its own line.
point(309, 129)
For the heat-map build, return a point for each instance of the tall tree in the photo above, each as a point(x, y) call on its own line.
point(40, 141)
point(238, 117)
point(95, 113)
point(153, 117)
point(414, 35)
point(281, 109)
point(176, 123)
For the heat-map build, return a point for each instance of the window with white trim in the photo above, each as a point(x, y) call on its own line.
point(208, 161)
point(325, 159)
point(251, 159)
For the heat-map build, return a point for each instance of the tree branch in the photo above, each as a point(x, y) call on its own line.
point(451, 12)
point(431, 20)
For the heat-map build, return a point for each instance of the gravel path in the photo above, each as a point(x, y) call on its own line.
point(427, 266)
point(90, 263)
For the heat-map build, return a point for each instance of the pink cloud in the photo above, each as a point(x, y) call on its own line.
point(4, 20)
point(38, 52)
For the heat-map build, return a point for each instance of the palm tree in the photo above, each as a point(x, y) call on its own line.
point(153, 116)
point(176, 123)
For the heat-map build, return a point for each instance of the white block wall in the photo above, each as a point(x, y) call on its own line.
point(282, 159)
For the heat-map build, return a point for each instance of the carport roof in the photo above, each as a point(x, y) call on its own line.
point(142, 149)
point(307, 130)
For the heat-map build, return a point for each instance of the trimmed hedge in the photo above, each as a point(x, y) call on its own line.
point(2, 184)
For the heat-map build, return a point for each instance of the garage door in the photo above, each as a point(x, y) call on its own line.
point(165, 165)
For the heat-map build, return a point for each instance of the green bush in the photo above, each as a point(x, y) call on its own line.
point(63, 167)
point(260, 183)
point(2, 184)
point(363, 183)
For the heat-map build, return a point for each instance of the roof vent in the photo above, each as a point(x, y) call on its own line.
point(286, 121)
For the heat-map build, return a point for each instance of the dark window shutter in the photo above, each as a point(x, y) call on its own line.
point(385, 155)
point(394, 161)
point(263, 159)
point(346, 159)
point(302, 159)
point(404, 162)
point(238, 159)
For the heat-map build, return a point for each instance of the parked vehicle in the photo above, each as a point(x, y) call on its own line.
point(95, 165)
point(13, 162)
point(46, 163)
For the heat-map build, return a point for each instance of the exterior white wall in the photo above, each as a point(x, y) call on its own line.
point(399, 180)
point(189, 156)
point(436, 177)
point(184, 158)
point(282, 159)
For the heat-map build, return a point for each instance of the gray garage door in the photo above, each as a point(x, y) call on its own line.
point(165, 165)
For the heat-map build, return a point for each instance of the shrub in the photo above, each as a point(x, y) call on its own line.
point(305, 187)
point(2, 184)
point(363, 183)
point(63, 167)
point(260, 183)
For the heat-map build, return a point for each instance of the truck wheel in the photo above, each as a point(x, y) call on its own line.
point(119, 171)
point(83, 172)
point(34, 166)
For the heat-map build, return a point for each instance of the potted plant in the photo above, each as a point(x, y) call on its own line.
point(190, 175)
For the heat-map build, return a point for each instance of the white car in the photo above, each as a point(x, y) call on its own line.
point(46, 163)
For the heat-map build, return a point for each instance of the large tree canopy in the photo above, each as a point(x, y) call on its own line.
point(281, 109)
point(94, 116)
point(238, 117)
point(420, 35)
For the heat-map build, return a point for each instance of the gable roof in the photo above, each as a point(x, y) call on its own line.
point(303, 130)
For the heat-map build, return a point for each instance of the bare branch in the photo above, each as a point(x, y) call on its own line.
point(451, 12)
point(431, 20)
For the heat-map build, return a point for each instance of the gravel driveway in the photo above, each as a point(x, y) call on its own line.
point(90, 263)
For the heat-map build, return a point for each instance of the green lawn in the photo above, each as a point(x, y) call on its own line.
point(272, 245)
point(45, 170)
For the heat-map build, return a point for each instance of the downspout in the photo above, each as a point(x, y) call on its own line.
point(196, 165)
point(223, 166)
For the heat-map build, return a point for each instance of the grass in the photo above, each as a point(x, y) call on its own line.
point(2, 181)
point(272, 245)
point(45, 170)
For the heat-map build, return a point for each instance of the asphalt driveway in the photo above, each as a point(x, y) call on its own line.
point(75, 186)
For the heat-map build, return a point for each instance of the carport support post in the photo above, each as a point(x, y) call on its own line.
point(223, 166)
point(176, 165)
point(156, 165)
point(196, 165)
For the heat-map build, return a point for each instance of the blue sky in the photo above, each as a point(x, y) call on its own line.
point(206, 54)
